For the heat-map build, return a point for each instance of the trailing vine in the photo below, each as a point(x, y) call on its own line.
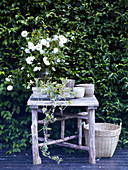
point(49, 118)
point(56, 92)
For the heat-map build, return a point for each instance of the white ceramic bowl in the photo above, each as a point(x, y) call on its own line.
point(79, 92)
point(89, 89)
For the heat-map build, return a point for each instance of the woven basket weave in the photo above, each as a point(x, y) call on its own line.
point(106, 138)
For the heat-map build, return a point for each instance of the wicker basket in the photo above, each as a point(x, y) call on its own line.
point(106, 138)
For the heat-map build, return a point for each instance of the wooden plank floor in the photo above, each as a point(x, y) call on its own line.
point(74, 161)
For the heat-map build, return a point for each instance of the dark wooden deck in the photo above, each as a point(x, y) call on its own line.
point(74, 161)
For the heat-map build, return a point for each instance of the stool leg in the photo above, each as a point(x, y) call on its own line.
point(34, 129)
point(91, 114)
point(62, 129)
point(79, 131)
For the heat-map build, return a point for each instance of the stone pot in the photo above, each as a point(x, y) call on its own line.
point(79, 92)
point(70, 83)
point(89, 89)
point(37, 91)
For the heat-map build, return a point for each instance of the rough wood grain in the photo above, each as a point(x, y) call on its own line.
point(85, 101)
point(51, 141)
point(70, 145)
point(66, 117)
point(62, 129)
point(34, 129)
point(73, 161)
point(91, 114)
point(79, 131)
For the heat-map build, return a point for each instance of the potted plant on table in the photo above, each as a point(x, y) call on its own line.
point(36, 89)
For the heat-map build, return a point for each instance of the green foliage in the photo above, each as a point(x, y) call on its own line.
point(49, 118)
point(97, 53)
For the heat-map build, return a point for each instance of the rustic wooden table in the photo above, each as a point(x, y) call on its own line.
point(90, 104)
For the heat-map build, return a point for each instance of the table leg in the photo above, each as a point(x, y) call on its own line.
point(34, 130)
point(62, 129)
point(91, 114)
point(79, 131)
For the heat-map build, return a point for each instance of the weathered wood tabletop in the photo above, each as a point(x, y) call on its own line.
point(44, 101)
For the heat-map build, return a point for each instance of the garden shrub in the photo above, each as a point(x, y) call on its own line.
point(97, 53)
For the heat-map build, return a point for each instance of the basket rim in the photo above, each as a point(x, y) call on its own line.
point(118, 127)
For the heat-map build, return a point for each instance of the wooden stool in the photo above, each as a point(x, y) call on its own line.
point(89, 103)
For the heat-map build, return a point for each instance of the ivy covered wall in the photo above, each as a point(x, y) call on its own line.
point(97, 53)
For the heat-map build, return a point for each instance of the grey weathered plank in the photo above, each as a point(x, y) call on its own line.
point(74, 161)
point(85, 101)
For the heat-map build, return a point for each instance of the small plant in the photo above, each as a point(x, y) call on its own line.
point(56, 92)
point(37, 82)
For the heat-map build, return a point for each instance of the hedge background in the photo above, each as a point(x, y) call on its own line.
point(97, 53)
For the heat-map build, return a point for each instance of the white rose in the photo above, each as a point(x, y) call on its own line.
point(53, 69)
point(27, 51)
point(46, 62)
point(55, 50)
point(31, 82)
point(48, 39)
point(7, 79)
point(24, 33)
point(58, 60)
point(28, 87)
point(37, 68)
point(38, 47)
point(55, 37)
point(47, 44)
point(43, 42)
point(62, 38)
point(61, 44)
point(10, 87)
point(29, 60)
point(22, 68)
point(31, 46)
point(32, 58)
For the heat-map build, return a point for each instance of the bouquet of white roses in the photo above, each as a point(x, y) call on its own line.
point(42, 50)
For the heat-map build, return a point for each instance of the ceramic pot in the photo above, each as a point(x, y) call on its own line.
point(79, 92)
point(37, 91)
point(89, 89)
point(70, 83)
